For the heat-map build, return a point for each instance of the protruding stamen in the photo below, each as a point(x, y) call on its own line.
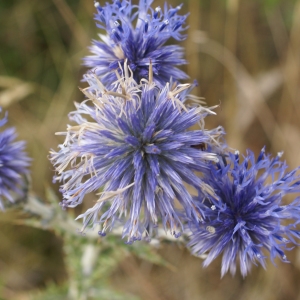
point(100, 11)
point(237, 156)
point(98, 7)
point(146, 26)
point(157, 10)
point(261, 155)
point(173, 11)
point(165, 23)
point(177, 25)
point(118, 25)
point(116, 35)
point(279, 154)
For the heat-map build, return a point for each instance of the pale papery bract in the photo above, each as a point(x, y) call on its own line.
point(249, 217)
point(138, 34)
point(132, 146)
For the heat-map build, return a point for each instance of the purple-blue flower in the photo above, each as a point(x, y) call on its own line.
point(138, 34)
point(132, 147)
point(249, 219)
point(13, 165)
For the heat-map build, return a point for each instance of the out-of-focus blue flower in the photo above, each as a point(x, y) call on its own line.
point(13, 165)
point(249, 217)
point(137, 34)
point(132, 146)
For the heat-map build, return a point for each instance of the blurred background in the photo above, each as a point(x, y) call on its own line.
point(245, 56)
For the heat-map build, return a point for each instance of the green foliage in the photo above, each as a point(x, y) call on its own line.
point(90, 265)
point(145, 252)
point(271, 3)
point(51, 292)
point(89, 259)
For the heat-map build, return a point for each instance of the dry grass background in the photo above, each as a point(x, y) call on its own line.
point(244, 54)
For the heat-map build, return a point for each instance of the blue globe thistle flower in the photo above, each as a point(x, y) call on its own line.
point(13, 165)
point(137, 34)
point(132, 144)
point(249, 217)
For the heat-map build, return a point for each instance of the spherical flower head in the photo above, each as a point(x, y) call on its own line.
point(13, 165)
point(137, 34)
point(131, 145)
point(249, 218)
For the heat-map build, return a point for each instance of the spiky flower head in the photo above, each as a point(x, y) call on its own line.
point(137, 34)
point(13, 165)
point(249, 217)
point(131, 145)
